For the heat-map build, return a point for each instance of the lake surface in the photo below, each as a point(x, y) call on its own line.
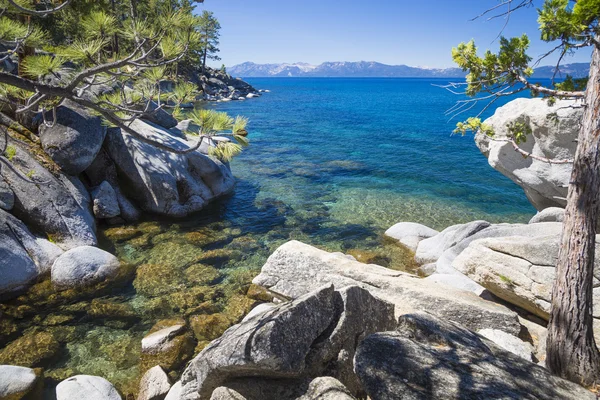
point(332, 162)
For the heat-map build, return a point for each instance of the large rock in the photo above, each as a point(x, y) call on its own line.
point(159, 116)
point(553, 133)
point(520, 270)
point(164, 182)
point(295, 269)
point(447, 274)
point(7, 197)
point(53, 204)
point(23, 257)
point(410, 233)
point(314, 334)
point(18, 383)
point(509, 343)
point(550, 214)
point(428, 358)
point(75, 139)
point(169, 344)
point(86, 387)
point(84, 266)
point(105, 201)
point(327, 388)
point(430, 250)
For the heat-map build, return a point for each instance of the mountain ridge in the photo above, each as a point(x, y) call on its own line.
point(366, 69)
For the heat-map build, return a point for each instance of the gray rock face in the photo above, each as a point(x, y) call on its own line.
point(431, 359)
point(445, 272)
point(314, 334)
point(18, 383)
point(86, 387)
point(410, 233)
point(83, 266)
point(509, 343)
point(295, 269)
point(159, 116)
point(74, 140)
point(105, 202)
point(430, 250)
point(23, 257)
point(175, 392)
point(154, 385)
point(553, 130)
point(327, 388)
point(550, 214)
point(520, 270)
point(163, 182)
point(7, 197)
point(53, 207)
point(160, 341)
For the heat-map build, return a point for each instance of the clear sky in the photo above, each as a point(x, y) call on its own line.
point(416, 33)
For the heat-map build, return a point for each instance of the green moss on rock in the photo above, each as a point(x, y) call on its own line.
point(209, 327)
point(31, 350)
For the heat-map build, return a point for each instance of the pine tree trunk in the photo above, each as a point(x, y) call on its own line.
point(571, 349)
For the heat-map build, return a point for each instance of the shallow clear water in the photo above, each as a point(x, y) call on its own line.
point(332, 162)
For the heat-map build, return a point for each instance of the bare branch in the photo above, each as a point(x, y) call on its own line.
point(527, 154)
point(39, 13)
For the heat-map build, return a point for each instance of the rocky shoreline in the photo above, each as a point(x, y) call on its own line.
point(322, 325)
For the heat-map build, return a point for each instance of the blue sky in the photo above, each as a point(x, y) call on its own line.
point(416, 33)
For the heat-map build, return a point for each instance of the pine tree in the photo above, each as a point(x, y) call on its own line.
point(209, 27)
point(570, 26)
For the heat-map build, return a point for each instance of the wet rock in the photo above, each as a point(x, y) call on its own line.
point(105, 202)
point(281, 343)
point(84, 266)
point(75, 139)
point(7, 197)
point(553, 128)
point(201, 274)
point(19, 383)
point(154, 385)
point(550, 214)
point(23, 257)
point(157, 279)
point(209, 327)
point(410, 234)
point(172, 184)
point(121, 234)
point(86, 387)
point(295, 269)
point(431, 359)
point(31, 350)
point(168, 345)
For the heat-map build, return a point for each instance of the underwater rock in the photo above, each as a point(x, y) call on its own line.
point(31, 350)
point(201, 274)
point(86, 387)
point(122, 233)
point(157, 279)
point(209, 327)
point(84, 266)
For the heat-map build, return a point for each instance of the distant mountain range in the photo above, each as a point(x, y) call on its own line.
point(345, 69)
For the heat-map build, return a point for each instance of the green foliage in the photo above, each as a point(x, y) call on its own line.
point(43, 65)
point(571, 84)
point(474, 125)
point(99, 25)
point(518, 131)
point(10, 152)
point(225, 151)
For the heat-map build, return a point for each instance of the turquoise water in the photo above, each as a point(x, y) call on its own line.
point(370, 152)
point(333, 163)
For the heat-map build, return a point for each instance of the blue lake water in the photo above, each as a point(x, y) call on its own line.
point(371, 152)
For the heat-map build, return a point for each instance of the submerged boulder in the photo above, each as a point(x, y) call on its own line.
point(164, 182)
point(427, 358)
point(75, 138)
point(554, 129)
point(295, 269)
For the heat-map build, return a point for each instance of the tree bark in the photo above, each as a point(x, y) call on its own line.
point(571, 349)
